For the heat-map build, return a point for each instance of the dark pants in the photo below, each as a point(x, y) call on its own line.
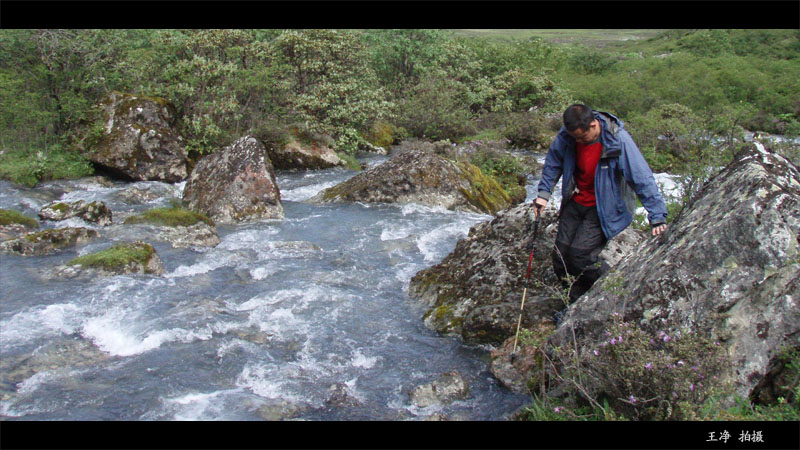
point(579, 241)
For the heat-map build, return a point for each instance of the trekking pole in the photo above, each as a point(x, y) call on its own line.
point(527, 278)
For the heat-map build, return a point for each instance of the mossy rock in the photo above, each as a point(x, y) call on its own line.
point(135, 257)
point(172, 217)
point(417, 176)
point(11, 217)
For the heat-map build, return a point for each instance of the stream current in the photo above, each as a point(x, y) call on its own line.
point(261, 326)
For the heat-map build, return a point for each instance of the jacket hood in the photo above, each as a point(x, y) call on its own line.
point(611, 126)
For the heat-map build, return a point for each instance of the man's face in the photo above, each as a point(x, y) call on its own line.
point(586, 136)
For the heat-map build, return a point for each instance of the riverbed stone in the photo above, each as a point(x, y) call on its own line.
point(448, 388)
point(143, 259)
point(49, 241)
point(425, 178)
point(138, 140)
point(235, 184)
point(728, 268)
point(95, 212)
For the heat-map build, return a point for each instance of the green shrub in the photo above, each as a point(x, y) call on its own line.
point(29, 168)
point(437, 109)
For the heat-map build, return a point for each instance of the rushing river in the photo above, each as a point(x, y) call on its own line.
point(259, 327)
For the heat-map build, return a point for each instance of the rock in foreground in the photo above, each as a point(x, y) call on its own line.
point(425, 178)
point(235, 184)
point(727, 267)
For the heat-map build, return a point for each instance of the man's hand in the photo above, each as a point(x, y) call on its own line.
point(659, 229)
point(538, 205)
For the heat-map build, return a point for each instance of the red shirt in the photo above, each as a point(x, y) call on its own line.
point(588, 156)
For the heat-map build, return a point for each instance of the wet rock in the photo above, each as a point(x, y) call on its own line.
point(476, 291)
point(137, 195)
point(339, 396)
point(197, 235)
point(450, 387)
point(276, 410)
point(95, 212)
point(63, 355)
point(295, 155)
point(422, 177)
point(48, 241)
point(727, 266)
point(235, 184)
point(139, 140)
point(135, 257)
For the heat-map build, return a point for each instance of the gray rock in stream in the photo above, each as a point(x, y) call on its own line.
point(95, 212)
point(450, 387)
point(421, 177)
point(47, 242)
point(235, 184)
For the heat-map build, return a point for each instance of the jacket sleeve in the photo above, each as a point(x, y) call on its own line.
point(553, 167)
point(639, 176)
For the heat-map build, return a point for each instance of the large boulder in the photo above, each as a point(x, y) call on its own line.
point(728, 268)
point(295, 155)
point(475, 293)
point(235, 184)
point(138, 140)
point(425, 178)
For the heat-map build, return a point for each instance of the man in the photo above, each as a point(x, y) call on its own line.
point(602, 168)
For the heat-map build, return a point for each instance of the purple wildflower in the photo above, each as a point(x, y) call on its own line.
point(691, 387)
point(667, 338)
point(557, 410)
point(613, 341)
point(619, 338)
point(648, 366)
point(680, 363)
point(596, 353)
point(661, 334)
point(632, 399)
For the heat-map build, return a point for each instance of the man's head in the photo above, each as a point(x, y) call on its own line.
point(581, 124)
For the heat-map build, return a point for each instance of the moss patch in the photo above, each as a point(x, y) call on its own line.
point(9, 217)
point(171, 217)
point(485, 192)
point(116, 257)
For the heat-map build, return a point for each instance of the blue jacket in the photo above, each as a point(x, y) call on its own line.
point(621, 172)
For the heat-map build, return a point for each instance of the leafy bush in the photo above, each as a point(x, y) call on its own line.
point(591, 61)
point(436, 109)
point(29, 168)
